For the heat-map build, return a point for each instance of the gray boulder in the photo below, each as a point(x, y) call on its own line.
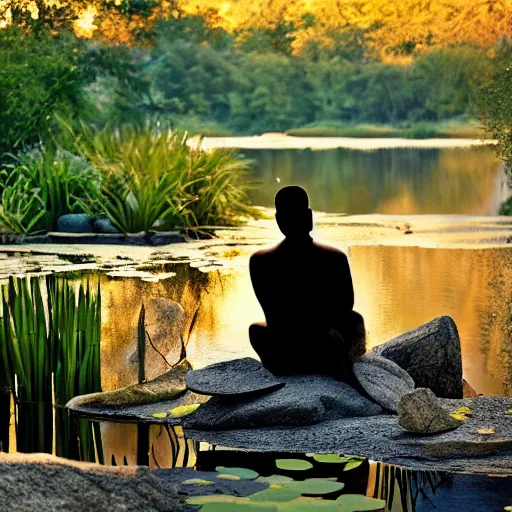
point(420, 412)
point(431, 355)
point(75, 223)
point(165, 323)
point(102, 225)
point(229, 378)
point(383, 380)
point(304, 400)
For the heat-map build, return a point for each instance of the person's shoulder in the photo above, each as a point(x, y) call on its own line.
point(329, 251)
point(263, 255)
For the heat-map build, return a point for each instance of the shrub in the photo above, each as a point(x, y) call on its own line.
point(41, 185)
point(150, 175)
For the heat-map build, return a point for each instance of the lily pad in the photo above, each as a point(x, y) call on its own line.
point(353, 464)
point(228, 477)
point(276, 494)
point(275, 479)
point(309, 505)
point(239, 507)
point(242, 473)
point(331, 458)
point(359, 503)
point(215, 498)
point(183, 410)
point(293, 464)
point(316, 486)
point(198, 481)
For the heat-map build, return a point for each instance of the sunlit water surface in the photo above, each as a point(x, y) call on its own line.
point(398, 287)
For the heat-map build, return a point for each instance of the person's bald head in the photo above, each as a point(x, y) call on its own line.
point(293, 215)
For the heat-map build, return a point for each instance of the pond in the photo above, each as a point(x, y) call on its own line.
point(454, 180)
point(399, 285)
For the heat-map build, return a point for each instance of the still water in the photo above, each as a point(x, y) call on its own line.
point(397, 288)
point(388, 181)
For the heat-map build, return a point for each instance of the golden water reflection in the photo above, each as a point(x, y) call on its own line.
point(452, 180)
point(397, 289)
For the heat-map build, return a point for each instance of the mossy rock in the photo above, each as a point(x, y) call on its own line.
point(168, 386)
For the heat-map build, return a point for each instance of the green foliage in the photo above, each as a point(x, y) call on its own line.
point(49, 343)
point(496, 109)
point(258, 89)
point(151, 175)
point(41, 185)
point(38, 77)
point(506, 207)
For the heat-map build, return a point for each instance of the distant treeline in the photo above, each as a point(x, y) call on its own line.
point(253, 92)
point(197, 77)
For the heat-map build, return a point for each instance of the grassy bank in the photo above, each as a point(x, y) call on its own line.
point(440, 130)
point(443, 130)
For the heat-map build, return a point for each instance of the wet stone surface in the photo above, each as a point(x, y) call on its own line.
point(383, 380)
point(381, 438)
point(231, 378)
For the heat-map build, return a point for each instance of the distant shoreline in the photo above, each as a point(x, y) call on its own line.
point(284, 141)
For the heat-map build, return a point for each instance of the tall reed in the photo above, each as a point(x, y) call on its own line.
point(50, 348)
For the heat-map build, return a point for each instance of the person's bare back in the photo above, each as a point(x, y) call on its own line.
point(306, 293)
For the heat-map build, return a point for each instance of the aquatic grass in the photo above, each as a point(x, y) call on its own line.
point(217, 181)
point(151, 178)
point(139, 169)
point(50, 349)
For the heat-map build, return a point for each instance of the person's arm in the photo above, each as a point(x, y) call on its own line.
point(346, 286)
point(260, 283)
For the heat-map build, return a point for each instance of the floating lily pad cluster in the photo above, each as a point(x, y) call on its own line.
point(285, 494)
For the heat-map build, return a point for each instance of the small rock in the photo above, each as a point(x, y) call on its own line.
point(75, 223)
point(383, 380)
point(102, 225)
point(419, 411)
point(237, 377)
point(431, 355)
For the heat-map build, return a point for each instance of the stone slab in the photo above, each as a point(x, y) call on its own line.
point(232, 378)
point(381, 438)
point(383, 380)
point(141, 413)
point(136, 239)
point(47, 483)
point(304, 400)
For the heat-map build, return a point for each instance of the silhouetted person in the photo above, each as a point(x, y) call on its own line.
point(305, 290)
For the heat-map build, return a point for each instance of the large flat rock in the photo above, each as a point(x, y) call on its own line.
point(236, 377)
point(140, 413)
point(304, 400)
point(381, 438)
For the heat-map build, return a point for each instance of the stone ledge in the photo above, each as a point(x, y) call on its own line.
point(137, 239)
point(47, 483)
